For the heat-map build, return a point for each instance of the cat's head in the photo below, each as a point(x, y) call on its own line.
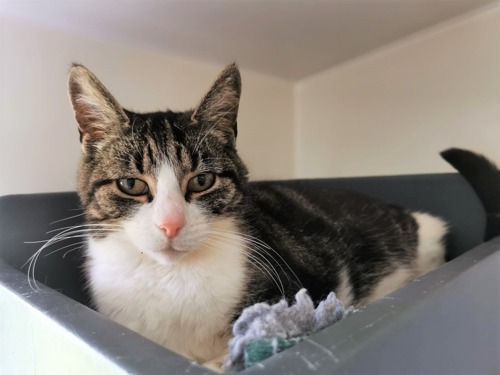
point(162, 181)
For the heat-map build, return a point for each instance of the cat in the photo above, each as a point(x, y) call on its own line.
point(484, 177)
point(179, 242)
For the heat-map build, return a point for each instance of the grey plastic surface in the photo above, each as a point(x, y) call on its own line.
point(33, 217)
point(447, 322)
point(96, 338)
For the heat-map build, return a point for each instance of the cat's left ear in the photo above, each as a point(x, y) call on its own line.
point(219, 108)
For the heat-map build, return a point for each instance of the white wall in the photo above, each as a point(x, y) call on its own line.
point(392, 111)
point(389, 112)
point(39, 148)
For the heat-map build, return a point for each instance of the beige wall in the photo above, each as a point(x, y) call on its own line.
point(389, 112)
point(39, 147)
point(392, 111)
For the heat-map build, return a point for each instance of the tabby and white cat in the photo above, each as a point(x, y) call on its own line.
point(179, 242)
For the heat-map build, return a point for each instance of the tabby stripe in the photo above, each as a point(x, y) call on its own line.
point(149, 151)
point(232, 175)
point(178, 152)
point(178, 134)
point(292, 214)
point(195, 160)
point(96, 186)
point(138, 160)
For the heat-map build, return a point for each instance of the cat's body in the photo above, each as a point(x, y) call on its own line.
point(188, 306)
point(179, 242)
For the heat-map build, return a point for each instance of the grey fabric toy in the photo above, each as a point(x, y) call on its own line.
point(263, 330)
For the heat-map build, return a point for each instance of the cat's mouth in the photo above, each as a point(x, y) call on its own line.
point(171, 253)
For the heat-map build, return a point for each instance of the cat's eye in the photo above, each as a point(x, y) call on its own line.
point(201, 182)
point(132, 186)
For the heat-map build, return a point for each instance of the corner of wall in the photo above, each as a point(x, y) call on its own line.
point(296, 149)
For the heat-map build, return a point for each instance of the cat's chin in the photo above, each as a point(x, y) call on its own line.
point(168, 255)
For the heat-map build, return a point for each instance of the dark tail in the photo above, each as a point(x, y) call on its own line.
point(484, 177)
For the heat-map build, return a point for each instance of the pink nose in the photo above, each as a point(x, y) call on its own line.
point(171, 229)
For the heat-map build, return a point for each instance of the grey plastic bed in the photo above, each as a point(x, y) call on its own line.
point(447, 322)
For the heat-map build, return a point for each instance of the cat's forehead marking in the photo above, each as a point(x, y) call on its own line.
point(183, 157)
point(169, 198)
point(151, 140)
point(168, 182)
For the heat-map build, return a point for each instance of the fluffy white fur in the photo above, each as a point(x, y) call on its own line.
point(179, 293)
point(390, 283)
point(430, 255)
point(431, 251)
point(184, 306)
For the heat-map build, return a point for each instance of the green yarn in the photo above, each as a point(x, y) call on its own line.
point(258, 350)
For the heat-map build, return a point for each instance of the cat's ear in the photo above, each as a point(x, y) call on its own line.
point(219, 108)
point(96, 110)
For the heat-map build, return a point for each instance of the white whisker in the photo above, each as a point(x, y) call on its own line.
point(253, 253)
point(67, 218)
point(66, 233)
point(267, 270)
point(65, 247)
point(264, 247)
point(62, 229)
point(71, 250)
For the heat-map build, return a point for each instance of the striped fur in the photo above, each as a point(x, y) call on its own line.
point(239, 243)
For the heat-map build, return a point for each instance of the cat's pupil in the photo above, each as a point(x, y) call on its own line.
point(201, 180)
point(130, 183)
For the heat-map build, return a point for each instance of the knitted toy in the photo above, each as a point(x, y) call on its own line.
point(263, 330)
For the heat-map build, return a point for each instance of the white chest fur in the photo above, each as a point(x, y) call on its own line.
point(185, 306)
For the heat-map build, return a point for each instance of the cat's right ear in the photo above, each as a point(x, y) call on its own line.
point(96, 110)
